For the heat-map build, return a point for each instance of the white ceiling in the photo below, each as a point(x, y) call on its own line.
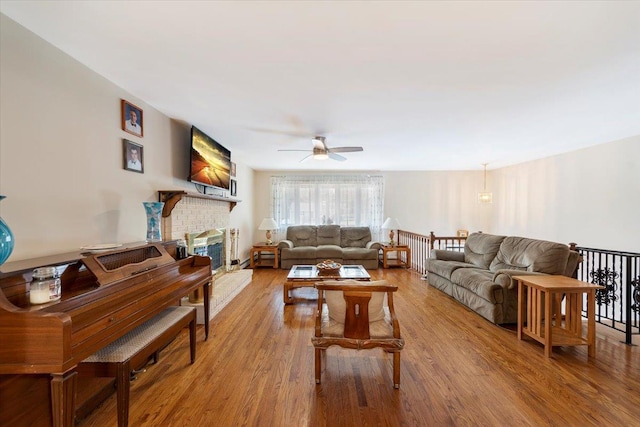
point(419, 85)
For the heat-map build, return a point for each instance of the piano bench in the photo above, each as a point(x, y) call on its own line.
point(134, 349)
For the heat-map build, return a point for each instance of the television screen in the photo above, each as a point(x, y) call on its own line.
point(210, 161)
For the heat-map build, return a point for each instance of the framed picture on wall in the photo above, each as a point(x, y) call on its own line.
point(233, 188)
point(132, 155)
point(132, 119)
point(232, 170)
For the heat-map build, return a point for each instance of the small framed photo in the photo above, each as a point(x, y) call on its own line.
point(132, 119)
point(232, 169)
point(234, 188)
point(133, 156)
point(463, 233)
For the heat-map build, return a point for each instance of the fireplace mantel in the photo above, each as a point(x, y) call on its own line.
point(171, 197)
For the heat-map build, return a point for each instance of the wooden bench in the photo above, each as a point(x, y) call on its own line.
point(134, 349)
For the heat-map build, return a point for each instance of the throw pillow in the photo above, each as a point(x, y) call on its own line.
point(337, 305)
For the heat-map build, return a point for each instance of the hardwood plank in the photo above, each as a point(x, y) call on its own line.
point(457, 369)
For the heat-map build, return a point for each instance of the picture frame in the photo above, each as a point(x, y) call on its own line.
point(232, 170)
point(132, 156)
point(463, 233)
point(233, 188)
point(132, 120)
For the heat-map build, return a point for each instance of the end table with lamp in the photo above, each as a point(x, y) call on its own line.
point(257, 252)
point(388, 261)
point(267, 225)
point(391, 224)
point(268, 246)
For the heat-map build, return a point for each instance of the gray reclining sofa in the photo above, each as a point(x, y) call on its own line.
point(481, 276)
point(311, 244)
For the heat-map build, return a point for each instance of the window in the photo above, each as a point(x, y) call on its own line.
point(346, 200)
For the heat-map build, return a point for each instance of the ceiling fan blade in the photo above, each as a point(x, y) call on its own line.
point(337, 157)
point(345, 149)
point(305, 158)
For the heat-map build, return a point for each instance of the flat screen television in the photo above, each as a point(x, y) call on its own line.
point(210, 161)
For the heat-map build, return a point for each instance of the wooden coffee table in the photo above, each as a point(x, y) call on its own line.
point(301, 276)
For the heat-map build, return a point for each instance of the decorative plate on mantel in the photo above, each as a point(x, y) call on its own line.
point(99, 248)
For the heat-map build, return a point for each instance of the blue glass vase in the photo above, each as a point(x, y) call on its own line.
point(6, 239)
point(154, 220)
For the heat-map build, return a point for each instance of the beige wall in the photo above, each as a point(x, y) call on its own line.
point(61, 162)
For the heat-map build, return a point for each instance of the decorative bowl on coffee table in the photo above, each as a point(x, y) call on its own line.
point(328, 267)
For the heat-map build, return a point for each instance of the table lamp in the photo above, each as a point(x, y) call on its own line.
point(268, 224)
point(391, 224)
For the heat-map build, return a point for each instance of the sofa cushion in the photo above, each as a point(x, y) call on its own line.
point(337, 305)
point(379, 329)
point(329, 235)
point(445, 268)
point(332, 252)
point(359, 253)
point(354, 237)
point(480, 249)
point(299, 252)
point(572, 263)
point(302, 235)
point(479, 282)
point(520, 253)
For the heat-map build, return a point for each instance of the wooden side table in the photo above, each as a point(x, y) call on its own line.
point(542, 311)
point(395, 262)
point(256, 252)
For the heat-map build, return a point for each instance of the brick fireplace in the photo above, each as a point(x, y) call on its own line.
point(200, 217)
point(207, 219)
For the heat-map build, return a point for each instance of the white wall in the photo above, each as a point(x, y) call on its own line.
point(425, 201)
point(590, 196)
point(61, 161)
point(439, 201)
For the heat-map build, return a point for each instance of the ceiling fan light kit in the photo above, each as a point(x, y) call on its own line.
point(320, 150)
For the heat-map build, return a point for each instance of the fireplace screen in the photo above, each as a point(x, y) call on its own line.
point(209, 243)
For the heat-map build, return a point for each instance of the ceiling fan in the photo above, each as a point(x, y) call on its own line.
point(320, 150)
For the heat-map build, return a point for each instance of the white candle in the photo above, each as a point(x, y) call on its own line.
point(39, 296)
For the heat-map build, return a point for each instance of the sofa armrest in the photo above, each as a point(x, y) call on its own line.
point(444, 255)
point(509, 273)
point(373, 245)
point(285, 244)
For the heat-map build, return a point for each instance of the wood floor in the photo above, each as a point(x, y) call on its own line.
point(458, 369)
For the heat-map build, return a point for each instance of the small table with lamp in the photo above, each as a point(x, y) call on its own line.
point(257, 251)
point(268, 246)
point(393, 224)
point(387, 262)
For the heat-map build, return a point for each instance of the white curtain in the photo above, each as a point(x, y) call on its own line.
point(346, 200)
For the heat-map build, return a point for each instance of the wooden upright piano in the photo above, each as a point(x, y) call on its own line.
point(104, 296)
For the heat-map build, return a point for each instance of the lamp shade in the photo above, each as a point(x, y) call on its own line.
point(268, 224)
point(391, 224)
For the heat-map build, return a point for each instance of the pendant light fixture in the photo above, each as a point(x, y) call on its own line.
point(485, 196)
